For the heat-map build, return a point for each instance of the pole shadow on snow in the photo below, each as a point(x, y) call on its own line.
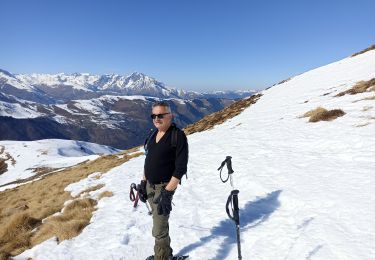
point(251, 215)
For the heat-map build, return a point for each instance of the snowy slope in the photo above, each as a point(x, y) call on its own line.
point(134, 84)
point(305, 188)
point(16, 110)
point(22, 156)
point(8, 78)
point(77, 80)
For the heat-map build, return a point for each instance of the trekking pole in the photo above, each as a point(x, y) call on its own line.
point(228, 162)
point(232, 200)
point(135, 197)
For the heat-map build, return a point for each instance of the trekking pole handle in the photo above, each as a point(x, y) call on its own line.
point(236, 211)
point(228, 162)
point(228, 159)
point(233, 200)
point(132, 196)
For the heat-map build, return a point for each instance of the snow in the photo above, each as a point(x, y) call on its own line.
point(88, 82)
point(52, 153)
point(305, 188)
point(116, 98)
point(97, 107)
point(15, 110)
point(76, 188)
point(76, 80)
point(12, 80)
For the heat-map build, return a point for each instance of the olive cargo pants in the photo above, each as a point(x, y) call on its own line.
point(160, 229)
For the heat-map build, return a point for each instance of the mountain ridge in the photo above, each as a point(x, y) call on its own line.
point(64, 87)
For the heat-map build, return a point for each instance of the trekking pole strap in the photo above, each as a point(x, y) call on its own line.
point(233, 201)
point(228, 162)
point(134, 197)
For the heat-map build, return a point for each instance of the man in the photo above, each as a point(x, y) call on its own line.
point(165, 164)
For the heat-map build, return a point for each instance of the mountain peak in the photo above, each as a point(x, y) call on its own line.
point(7, 73)
point(135, 76)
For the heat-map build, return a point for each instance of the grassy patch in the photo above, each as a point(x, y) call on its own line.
point(5, 157)
point(283, 81)
point(96, 187)
point(360, 87)
point(367, 108)
point(369, 98)
point(105, 194)
point(372, 47)
point(42, 198)
point(362, 125)
point(3, 166)
point(15, 234)
point(322, 114)
point(75, 216)
point(221, 116)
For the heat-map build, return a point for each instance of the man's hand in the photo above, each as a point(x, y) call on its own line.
point(172, 184)
point(164, 202)
point(141, 188)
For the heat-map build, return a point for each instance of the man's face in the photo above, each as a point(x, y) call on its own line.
point(162, 123)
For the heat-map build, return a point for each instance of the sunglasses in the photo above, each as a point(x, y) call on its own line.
point(160, 116)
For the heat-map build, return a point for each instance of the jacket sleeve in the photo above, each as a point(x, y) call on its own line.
point(182, 155)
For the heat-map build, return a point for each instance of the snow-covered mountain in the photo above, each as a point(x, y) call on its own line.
point(25, 158)
point(60, 88)
point(230, 94)
point(118, 121)
point(305, 187)
point(134, 84)
point(107, 109)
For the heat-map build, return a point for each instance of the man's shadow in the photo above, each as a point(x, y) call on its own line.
point(253, 214)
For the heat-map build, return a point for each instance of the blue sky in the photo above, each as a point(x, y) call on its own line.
point(191, 44)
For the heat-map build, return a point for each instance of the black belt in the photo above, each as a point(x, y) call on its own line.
point(158, 183)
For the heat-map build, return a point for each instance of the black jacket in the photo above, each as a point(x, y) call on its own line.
point(164, 161)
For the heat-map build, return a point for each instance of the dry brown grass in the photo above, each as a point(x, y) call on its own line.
point(42, 198)
point(43, 170)
point(283, 81)
point(38, 173)
point(18, 230)
point(372, 47)
point(363, 124)
point(221, 116)
point(97, 177)
point(367, 108)
point(370, 98)
point(96, 187)
point(3, 166)
point(105, 194)
point(322, 114)
point(70, 223)
point(360, 87)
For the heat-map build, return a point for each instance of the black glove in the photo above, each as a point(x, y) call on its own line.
point(164, 202)
point(141, 188)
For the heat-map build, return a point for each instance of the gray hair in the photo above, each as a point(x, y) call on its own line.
point(162, 104)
